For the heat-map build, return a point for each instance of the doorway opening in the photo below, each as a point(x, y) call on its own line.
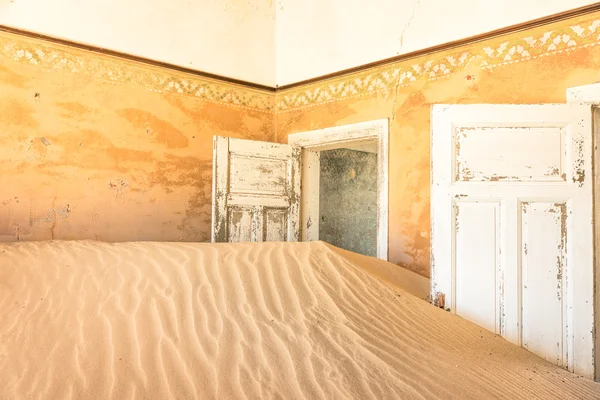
point(348, 198)
point(344, 196)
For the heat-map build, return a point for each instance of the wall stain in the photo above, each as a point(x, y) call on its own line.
point(11, 78)
point(97, 138)
point(37, 146)
point(73, 109)
point(339, 113)
point(164, 132)
point(91, 149)
point(64, 212)
point(46, 218)
point(178, 171)
point(119, 186)
point(14, 112)
point(248, 125)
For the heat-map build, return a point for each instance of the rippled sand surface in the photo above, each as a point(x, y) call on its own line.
point(90, 320)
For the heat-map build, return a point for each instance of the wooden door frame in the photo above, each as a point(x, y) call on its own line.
point(576, 285)
point(590, 94)
point(312, 142)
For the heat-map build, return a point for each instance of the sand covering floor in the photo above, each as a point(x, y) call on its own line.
point(90, 320)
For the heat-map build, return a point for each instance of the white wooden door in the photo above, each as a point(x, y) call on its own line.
point(256, 191)
point(512, 225)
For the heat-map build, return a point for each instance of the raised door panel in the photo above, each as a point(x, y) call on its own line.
point(544, 237)
point(477, 226)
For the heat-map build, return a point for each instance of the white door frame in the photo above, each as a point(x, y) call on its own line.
point(590, 94)
point(312, 142)
point(463, 182)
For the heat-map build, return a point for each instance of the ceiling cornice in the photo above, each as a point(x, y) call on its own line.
point(126, 56)
point(434, 49)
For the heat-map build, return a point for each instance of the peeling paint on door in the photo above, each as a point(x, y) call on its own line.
point(255, 191)
point(505, 217)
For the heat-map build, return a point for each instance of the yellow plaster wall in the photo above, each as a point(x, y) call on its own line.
point(93, 147)
point(534, 66)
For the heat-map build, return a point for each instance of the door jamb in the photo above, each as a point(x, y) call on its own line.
point(312, 142)
point(590, 94)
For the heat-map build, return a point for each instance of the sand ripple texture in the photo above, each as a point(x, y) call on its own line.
point(90, 320)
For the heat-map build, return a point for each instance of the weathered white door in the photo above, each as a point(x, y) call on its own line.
point(256, 191)
point(512, 226)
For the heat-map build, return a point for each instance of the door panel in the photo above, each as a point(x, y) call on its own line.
point(544, 233)
point(511, 215)
point(258, 175)
point(476, 223)
point(240, 224)
point(275, 224)
point(481, 153)
point(256, 189)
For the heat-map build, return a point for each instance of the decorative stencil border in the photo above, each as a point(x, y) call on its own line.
point(56, 57)
point(548, 40)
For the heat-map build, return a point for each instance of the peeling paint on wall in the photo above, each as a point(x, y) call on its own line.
point(528, 67)
point(102, 157)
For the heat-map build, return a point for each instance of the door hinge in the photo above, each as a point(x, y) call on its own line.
point(439, 300)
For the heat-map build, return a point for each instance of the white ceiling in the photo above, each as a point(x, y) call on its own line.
point(232, 38)
point(318, 37)
point(270, 42)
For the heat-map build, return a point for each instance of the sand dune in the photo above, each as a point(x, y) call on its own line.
point(89, 320)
